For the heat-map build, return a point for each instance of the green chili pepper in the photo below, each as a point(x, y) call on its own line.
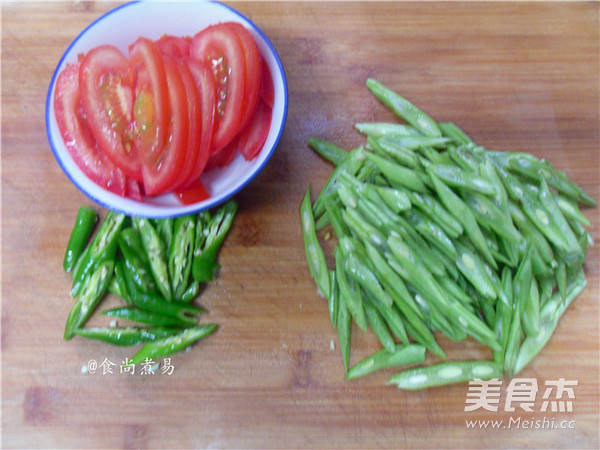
point(126, 337)
point(164, 228)
point(84, 223)
point(93, 288)
point(102, 248)
point(204, 265)
point(146, 317)
point(180, 257)
point(191, 292)
point(138, 270)
point(157, 256)
point(172, 344)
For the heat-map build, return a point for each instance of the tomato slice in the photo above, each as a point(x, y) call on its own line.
point(107, 100)
point(194, 123)
point(133, 189)
point(207, 90)
point(222, 157)
point(162, 175)
point(175, 46)
point(268, 90)
point(220, 46)
point(254, 69)
point(254, 136)
point(77, 136)
point(151, 107)
point(195, 192)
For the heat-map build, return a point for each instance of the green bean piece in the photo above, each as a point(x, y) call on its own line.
point(463, 214)
point(327, 150)
point(437, 213)
point(445, 373)
point(402, 355)
point(351, 164)
point(344, 328)
point(191, 292)
point(530, 314)
point(172, 344)
point(417, 142)
point(157, 256)
point(146, 317)
point(363, 229)
point(464, 157)
point(137, 268)
point(334, 213)
point(314, 253)
point(450, 130)
point(473, 269)
point(397, 200)
point(491, 217)
point(574, 254)
point(102, 248)
point(570, 210)
point(393, 318)
point(380, 129)
point(349, 293)
point(432, 232)
point(364, 276)
point(204, 264)
point(390, 147)
point(404, 109)
point(397, 174)
point(455, 177)
point(333, 300)
point(93, 288)
point(84, 223)
point(532, 234)
point(550, 314)
point(164, 227)
point(379, 327)
point(126, 337)
point(561, 279)
point(180, 258)
point(513, 343)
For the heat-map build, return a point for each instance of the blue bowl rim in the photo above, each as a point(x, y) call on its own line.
point(210, 203)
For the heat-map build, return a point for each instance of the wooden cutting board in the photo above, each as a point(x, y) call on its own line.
point(515, 76)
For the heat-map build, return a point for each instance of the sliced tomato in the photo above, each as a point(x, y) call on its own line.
point(207, 90)
point(133, 189)
point(194, 123)
point(268, 91)
point(254, 69)
point(222, 157)
point(78, 138)
point(107, 102)
point(220, 46)
point(254, 136)
point(195, 192)
point(175, 46)
point(151, 107)
point(162, 175)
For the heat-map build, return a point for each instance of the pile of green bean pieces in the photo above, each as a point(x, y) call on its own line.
point(156, 267)
point(437, 234)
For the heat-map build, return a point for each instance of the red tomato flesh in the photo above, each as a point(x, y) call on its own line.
point(219, 46)
point(78, 138)
point(107, 101)
point(194, 193)
point(254, 136)
point(151, 108)
point(268, 90)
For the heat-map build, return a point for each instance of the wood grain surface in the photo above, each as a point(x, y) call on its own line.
point(515, 76)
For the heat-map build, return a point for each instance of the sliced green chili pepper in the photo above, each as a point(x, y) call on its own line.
point(172, 344)
point(164, 228)
point(128, 336)
point(146, 317)
point(138, 270)
point(84, 223)
point(204, 264)
point(93, 288)
point(157, 256)
point(191, 292)
point(180, 257)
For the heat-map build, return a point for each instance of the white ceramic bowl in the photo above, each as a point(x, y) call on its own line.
point(121, 27)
